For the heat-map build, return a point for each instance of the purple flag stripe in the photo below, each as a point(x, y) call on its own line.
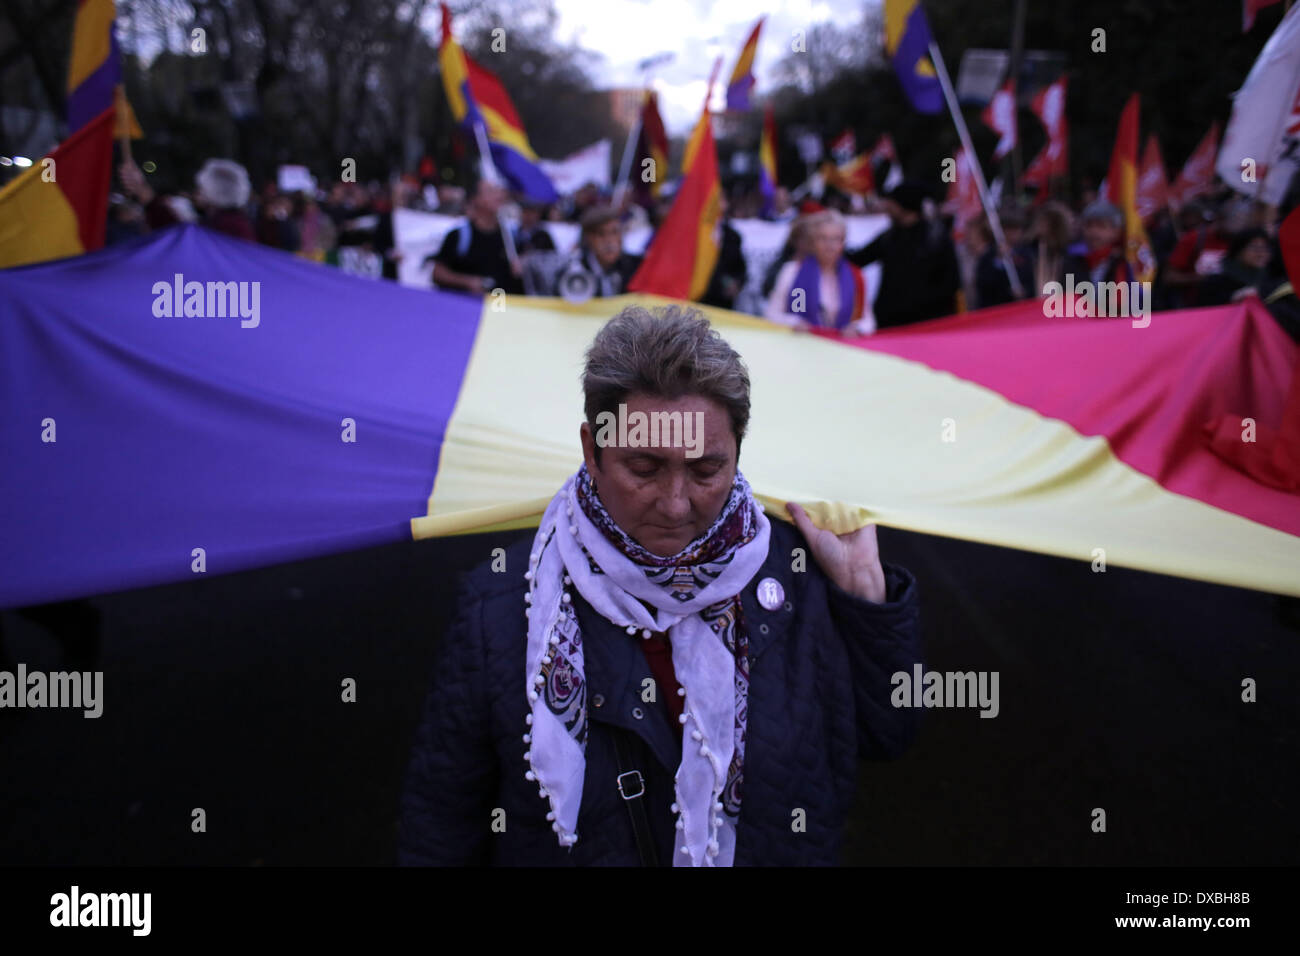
point(177, 433)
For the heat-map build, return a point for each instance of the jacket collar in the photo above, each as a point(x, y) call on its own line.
point(615, 669)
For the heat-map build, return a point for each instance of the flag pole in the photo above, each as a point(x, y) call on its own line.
point(625, 164)
point(995, 224)
point(506, 236)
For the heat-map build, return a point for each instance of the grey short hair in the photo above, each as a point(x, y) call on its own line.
point(669, 351)
point(826, 217)
point(1099, 210)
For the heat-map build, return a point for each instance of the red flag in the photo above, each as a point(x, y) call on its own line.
point(884, 149)
point(1197, 175)
point(1000, 116)
point(683, 253)
point(1273, 458)
point(1153, 185)
point(1122, 191)
point(1053, 161)
point(844, 146)
point(652, 145)
point(1248, 10)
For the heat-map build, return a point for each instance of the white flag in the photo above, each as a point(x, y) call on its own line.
point(1261, 147)
point(590, 165)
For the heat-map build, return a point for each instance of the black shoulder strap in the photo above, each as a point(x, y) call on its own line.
point(631, 787)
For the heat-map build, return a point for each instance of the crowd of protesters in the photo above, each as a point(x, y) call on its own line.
point(1215, 249)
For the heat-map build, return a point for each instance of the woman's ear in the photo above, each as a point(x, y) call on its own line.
point(588, 448)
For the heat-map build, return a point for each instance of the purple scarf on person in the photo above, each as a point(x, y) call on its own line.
point(808, 279)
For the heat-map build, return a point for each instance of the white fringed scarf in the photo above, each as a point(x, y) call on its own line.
point(570, 551)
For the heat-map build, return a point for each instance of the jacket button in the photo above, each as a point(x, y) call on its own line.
point(598, 701)
point(762, 628)
point(789, 606)
point(638, 713)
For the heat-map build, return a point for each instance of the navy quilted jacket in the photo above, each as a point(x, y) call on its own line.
point(819, 699)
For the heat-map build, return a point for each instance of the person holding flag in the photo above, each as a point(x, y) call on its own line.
point(919, 276)
point(475, 256)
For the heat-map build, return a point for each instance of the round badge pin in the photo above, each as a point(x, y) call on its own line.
point(770, 593)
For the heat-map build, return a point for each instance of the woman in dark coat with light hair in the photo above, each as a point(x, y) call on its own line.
point(663, 675)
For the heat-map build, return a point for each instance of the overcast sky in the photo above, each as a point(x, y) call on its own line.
point(628, 31)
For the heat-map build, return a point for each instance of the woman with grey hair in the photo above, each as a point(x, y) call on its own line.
point(661, 676)
point(822, 289)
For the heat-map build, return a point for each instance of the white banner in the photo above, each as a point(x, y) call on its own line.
point(1261, 147)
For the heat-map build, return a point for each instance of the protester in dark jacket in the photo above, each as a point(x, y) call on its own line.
point(919, 276)
point(742, 666)
point(992, 284)
point(730, 271)
point(1245, 270)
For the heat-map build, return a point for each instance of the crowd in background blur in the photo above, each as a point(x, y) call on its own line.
point(1215, 249)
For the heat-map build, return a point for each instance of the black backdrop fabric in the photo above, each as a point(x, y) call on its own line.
point(1119, 690)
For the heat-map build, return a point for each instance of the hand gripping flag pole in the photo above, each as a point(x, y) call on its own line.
point(507, 236)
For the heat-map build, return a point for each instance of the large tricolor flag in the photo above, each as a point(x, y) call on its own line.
point(478, 99)
point(684, 251)
point(907, 42)
point(742, 77)
point(59, 206)
point(1122, 191)
point(767, 152)
point(142, 446)
point(1261, 146)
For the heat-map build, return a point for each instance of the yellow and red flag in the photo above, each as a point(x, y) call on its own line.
point(1122, 191)
point(705, 120)
point(854, 177)
point(683, 253)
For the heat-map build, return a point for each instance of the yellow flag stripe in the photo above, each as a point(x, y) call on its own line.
point(856, 435)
